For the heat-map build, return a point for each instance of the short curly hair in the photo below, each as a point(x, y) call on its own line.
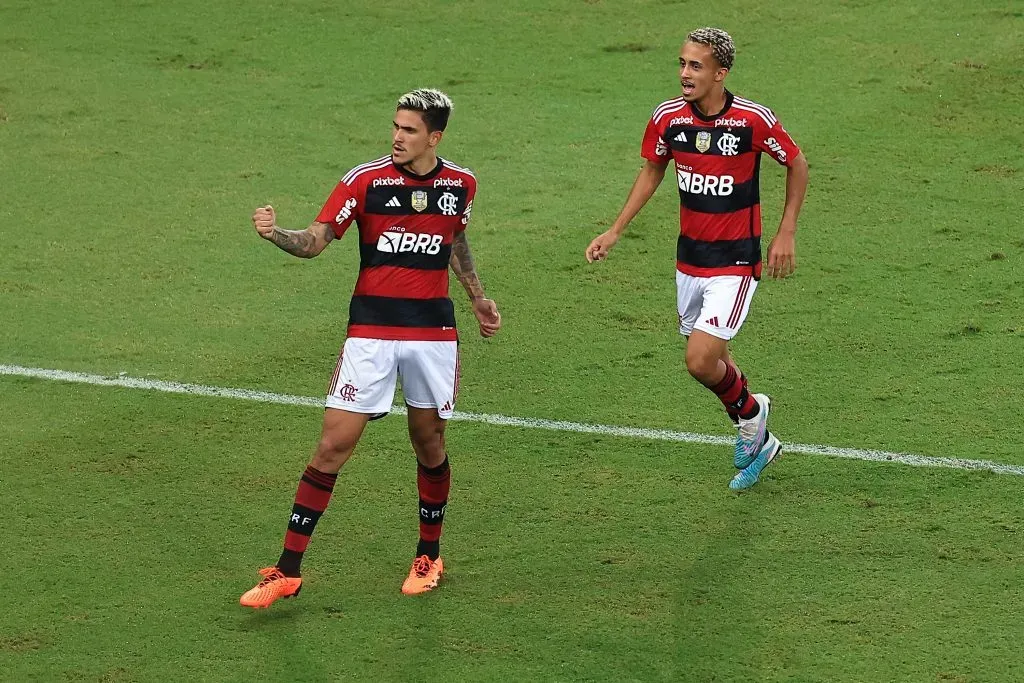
point(718, 40)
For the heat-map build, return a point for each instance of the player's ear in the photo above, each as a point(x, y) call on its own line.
point(435, 137)
point(721, 74)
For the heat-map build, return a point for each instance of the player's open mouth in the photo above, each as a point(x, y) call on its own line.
point(397, 149)
point(687, 88)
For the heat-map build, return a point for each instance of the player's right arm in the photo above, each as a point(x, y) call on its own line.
point(647, 181)
point(302, 243)
point(656, 156)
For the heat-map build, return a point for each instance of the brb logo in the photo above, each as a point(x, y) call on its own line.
point(398, 241)
point(346, 211)
point(698, 183)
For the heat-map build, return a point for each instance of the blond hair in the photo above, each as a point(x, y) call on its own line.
point(718, 40)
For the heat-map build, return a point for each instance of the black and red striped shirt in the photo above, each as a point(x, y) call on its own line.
point(406, 226)
point(717, 161)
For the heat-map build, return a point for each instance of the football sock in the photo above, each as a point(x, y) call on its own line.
point(311, 500)
point(433, 484)
point(733, 394)
point(733, 415)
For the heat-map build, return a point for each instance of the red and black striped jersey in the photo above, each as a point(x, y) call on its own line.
point(717, 161)
point(406, 226)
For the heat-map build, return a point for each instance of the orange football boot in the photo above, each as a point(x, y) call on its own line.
point(273, 586)
point(423, 576)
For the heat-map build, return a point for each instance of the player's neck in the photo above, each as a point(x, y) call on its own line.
point(712, 104)
point(422, 165)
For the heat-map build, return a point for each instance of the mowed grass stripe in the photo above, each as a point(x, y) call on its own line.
point(510, 421)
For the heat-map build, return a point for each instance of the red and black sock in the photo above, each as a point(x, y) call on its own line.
point(311, 500)
point(732, 392)
point(433, 484)
point(733, 415)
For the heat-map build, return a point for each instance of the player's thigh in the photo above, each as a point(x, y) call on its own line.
point(430, 375)
point(689, 300)
point(726, 304)
point(365, 377)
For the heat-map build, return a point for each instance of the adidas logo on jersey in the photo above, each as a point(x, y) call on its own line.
point(393, 203)
point(680, 138)
point(393, 242)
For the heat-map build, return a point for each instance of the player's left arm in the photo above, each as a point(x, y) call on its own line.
point(485, 310)
point(777, 143)
point(782, 249)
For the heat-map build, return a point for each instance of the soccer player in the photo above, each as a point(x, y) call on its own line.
point(716, 140)
point(411, 208)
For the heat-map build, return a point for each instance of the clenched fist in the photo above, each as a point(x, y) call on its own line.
point(264, 220)
point(601, 245)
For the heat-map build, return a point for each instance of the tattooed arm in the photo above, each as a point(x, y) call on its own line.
point(302, 243)
point(485, 310)
point(462, 265)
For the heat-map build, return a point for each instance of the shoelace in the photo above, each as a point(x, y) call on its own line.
point(274, 575)
point(422, 565)
point(748, 432)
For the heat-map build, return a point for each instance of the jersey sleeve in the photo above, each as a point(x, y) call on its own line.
point(776, 142)
point(653, 147)
point(468, 211)
point(340, 209)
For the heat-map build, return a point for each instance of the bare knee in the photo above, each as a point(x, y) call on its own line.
point(702, 366)
point(429, 447)
point(332, 451)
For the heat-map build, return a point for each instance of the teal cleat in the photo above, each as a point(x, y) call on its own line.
point(752, 472)
point(752, 434)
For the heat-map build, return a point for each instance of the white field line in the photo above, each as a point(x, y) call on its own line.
point(507, 421)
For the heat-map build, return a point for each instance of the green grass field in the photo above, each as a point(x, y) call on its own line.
point(135, 140)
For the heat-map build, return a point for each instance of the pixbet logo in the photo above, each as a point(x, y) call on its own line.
point(731, 122)
point(448, 182)
point(346, 211)
point(698, 183)
point(681, 120)
point(380, 182)
point(398, 241)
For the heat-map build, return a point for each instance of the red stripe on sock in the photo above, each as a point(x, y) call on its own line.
point(296, 542)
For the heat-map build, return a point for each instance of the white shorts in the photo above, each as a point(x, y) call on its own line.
point(716, 305)
point(365, 378)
